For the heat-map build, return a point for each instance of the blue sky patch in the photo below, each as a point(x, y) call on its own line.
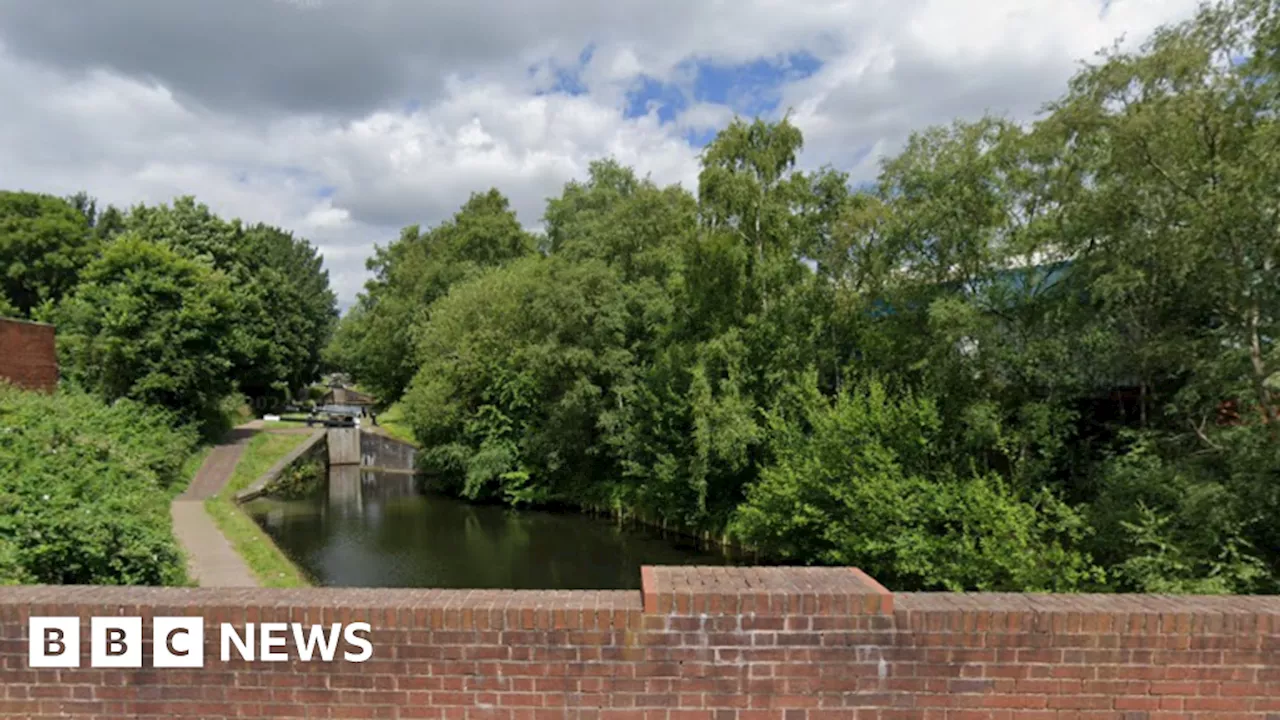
point(650, 93)
point(749, 89)
point(568, 83)
point(568, 80)
point(753, 88)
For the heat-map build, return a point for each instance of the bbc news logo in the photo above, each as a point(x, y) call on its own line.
point(178, 642)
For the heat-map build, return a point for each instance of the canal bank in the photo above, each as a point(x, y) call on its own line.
point(373, 524)
point(222, 546)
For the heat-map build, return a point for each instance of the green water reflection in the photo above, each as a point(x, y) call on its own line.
point(373, 529)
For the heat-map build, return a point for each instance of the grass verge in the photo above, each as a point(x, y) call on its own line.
point(267, 561)
point(393, 422)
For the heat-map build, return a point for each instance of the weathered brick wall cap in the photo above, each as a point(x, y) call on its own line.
point(684, 591)
point(762, 591)
point(26, 322)
point(358, 598)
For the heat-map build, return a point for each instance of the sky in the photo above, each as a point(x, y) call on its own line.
point(345, 120)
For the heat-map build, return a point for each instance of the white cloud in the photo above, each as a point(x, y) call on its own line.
point(944, 59)
point(141, 126)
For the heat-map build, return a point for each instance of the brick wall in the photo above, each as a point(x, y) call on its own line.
point(27, 354)
point(694, 644)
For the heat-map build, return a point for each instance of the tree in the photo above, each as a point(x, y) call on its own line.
point(286, 309)
point(1179, 142)
point(1037, 356)
point(515, 369)
point(414, 271)
point(149, 324)
point(296, 312)
point(44, 244)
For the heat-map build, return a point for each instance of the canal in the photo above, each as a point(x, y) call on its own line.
point(378, 529)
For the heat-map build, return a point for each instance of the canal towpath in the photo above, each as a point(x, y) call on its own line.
point(211, 559)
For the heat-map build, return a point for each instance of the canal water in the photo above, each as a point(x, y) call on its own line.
point(378, 529)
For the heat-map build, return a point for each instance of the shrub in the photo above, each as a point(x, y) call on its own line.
point(300, 480)
point(85, 489)
point(867, 486)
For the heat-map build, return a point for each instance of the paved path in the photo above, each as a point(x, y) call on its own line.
point(211, 560)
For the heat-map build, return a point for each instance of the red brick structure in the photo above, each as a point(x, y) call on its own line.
point(694, 644)
point(28, 358)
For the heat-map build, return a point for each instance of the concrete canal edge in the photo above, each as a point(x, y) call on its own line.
point(340, 446)
point(258, 486)
point(344, 445)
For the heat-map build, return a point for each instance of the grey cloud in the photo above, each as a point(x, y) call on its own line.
point(348, 57)
point(342, 57)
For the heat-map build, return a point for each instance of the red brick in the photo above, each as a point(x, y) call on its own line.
point(28, 357)
point(695, 644)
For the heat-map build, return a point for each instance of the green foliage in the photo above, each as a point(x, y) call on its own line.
point(85, 488)
point(865, 484)
point(152, 325)
point(374, 342)
point(170, 304)
point(44, 244)
point(292, 313)
point(300, 480)
point(513, 366)
point(1173, 522)
point(284, 311)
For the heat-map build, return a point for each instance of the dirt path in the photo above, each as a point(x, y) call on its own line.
point(211, 560)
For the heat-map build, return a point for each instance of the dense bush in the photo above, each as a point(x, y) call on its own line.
point(174, 318)
point(868, 484)
point(85, 489)
point(511, 384)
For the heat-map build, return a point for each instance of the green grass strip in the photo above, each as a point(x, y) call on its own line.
point(393, 422)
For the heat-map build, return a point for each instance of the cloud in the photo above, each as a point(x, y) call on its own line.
point(344, 120)
point(947, 59)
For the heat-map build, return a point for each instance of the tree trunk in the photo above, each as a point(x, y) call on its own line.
point(1142, 404)
point(1259, 366)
